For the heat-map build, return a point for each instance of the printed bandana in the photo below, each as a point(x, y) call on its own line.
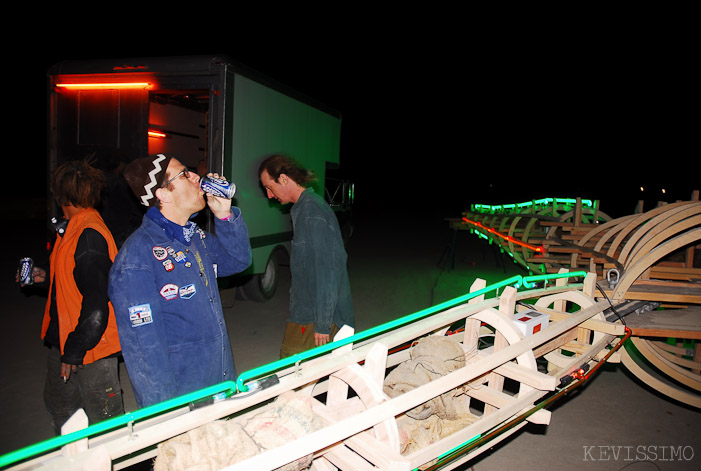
point(175, 231)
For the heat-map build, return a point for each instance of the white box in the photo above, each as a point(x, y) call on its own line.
point(531, 322)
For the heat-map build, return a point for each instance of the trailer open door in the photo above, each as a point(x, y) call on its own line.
point(114, 119)
point(135, 116)
point(90, 118)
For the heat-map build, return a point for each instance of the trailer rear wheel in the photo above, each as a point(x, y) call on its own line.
point(262, 287)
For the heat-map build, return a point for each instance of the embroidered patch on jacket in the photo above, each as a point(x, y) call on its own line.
point(180, 257)
point(168, 265)
point(159, 252)
point(188, 291)
point(169, 291)
point(140, 315)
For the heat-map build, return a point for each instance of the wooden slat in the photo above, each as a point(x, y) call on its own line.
point(643, 290)
point(681, 323)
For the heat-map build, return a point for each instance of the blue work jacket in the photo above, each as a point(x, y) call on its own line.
point(320, 290)
point(169, 314)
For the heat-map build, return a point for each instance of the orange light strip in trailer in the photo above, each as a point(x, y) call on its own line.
point(104, 85)
point(156, 134)
point(508, 238)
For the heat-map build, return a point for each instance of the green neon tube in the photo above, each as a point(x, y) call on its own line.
point(538, 202)
point(57, 442)
point(289, 361)
point(458, 447)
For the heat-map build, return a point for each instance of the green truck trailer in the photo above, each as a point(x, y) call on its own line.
point(216, 116)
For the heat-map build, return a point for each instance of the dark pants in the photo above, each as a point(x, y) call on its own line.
point(299, 338)
point(94, 388)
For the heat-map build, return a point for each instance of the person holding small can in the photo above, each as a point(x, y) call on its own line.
point(164, 283)
point(79, 327)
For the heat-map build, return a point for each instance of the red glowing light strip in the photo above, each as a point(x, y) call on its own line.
point(103, 86)
point(157, 134)
point(508, 238)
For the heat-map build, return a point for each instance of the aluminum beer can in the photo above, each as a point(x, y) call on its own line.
point(26, 267)
point(217, 187)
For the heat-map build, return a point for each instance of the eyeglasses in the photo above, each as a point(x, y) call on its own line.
point(184, 173)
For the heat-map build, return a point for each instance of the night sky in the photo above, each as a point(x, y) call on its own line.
point(433, 124)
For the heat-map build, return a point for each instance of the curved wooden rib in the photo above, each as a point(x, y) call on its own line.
point(638, 221)
point(371, 395)
point(603, 228)
point(606, 227)
point(511, 233)
point(614, 233)
point(526, 236)
point(671, 228)
point(656, 225)
point(666, 351)
point(669, 368)
point(556, 358)
point(642, 264)
point(503, 223)
point(638, 368)
point(664, 232)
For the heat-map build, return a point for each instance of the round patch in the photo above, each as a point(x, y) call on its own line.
point(160, 253)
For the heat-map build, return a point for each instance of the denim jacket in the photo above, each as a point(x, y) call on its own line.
point(320, 291)
point(169, 314)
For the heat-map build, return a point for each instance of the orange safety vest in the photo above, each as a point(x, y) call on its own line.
point(68, 297)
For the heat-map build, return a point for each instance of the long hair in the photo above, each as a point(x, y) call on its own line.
point(277, 164)
point(77, 183)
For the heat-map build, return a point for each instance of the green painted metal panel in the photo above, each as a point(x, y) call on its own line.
point(267, 121)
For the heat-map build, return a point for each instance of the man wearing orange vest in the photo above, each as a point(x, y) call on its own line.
point(79, 326)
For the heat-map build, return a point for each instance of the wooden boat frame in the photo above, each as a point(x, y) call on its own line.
point(361, 429)
point(646, 257)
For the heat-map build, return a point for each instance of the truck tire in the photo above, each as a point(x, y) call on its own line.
point(262, 287)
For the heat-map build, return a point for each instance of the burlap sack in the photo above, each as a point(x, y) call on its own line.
point(222, 443)
point(430, 358)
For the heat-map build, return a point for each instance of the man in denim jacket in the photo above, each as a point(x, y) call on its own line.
point(320, 296)
point(163, 283)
